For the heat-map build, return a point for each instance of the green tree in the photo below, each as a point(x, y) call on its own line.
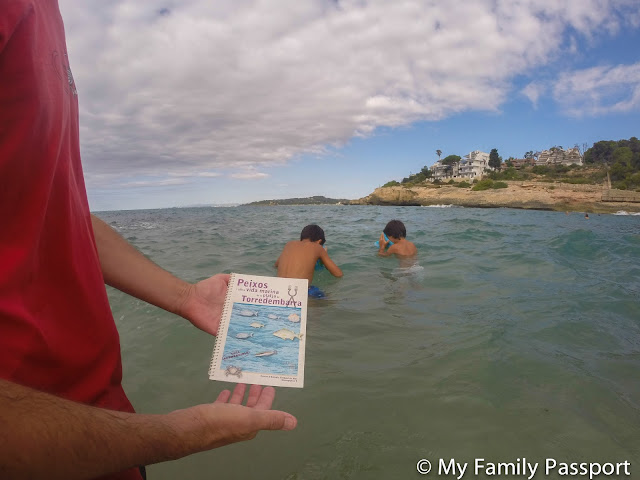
point(438, 152)
point(494, 159)
point(623, 155)
point(529, 154)
point(451, 159)
point(601, 152)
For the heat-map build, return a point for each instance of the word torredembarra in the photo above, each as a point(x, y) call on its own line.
point(522, 468)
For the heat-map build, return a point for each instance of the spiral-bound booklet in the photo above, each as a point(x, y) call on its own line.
point(261, 339)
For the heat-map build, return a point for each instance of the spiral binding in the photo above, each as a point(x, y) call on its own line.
point(222, 329)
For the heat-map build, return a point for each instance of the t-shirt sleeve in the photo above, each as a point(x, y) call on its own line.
point(11, 15)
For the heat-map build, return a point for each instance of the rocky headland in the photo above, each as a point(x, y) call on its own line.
point(519, 194)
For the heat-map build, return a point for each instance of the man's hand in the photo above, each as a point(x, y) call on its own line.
point(202, 303)
point(44, 436)
point(227, 421)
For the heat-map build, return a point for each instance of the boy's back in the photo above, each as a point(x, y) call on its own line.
point(403, 248)
point(298, 258)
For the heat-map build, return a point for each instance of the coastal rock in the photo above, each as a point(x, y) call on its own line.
point(526, 195)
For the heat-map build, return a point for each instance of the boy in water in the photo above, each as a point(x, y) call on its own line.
point(298, 258)
point(397, 235)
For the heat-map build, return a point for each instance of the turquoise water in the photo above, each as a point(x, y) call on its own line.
point(517, 334)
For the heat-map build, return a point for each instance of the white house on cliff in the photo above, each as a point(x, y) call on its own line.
point(470, 167)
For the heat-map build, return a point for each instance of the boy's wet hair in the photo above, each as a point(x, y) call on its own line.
point(396, 229)
point(313, 233)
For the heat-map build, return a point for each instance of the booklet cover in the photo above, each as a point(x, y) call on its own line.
point(261, 339)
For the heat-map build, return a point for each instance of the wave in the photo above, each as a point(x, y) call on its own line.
point(441, 206)
point(624, 212)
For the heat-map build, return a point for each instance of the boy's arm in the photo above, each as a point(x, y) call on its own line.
point(392, 249)
point(383, 244)
point(329, 264)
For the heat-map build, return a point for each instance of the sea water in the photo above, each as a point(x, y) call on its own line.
point(515, 334)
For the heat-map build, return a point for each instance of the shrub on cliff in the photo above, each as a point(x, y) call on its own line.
point(541, 170)
point(463, 184)
point(509, 174)
point(485, 184)
point(392, 183)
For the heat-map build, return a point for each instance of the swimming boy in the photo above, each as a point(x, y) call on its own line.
point(397, 234)
point(298, 258)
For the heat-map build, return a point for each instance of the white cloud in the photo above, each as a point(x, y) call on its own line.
point(195, 85)
point(599, 90)
point(249, 175)
point(152, 183)
point(195, 174)
point(534, 91)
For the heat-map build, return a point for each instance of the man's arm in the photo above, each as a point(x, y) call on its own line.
point(43, 436)
point(329, 264)
point(128, 270)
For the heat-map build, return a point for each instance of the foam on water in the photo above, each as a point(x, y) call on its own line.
point(623, 212)
point(441, 206)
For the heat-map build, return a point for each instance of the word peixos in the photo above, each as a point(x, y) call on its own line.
point(252, 284)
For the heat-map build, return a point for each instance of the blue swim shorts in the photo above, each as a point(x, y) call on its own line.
point(315, 292)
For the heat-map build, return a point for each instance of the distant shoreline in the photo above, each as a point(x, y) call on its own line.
point(315, 200)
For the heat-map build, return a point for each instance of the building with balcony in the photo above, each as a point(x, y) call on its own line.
point(559, 156)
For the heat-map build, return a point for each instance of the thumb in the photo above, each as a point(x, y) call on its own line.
point(276, 420)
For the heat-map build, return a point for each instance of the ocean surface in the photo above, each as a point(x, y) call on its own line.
point(515, 334)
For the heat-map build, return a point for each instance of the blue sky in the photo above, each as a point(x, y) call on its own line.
point(198, 102)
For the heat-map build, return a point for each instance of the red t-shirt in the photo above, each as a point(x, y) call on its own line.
point(57, 333)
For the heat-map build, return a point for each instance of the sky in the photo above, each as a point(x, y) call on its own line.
point(194, 102)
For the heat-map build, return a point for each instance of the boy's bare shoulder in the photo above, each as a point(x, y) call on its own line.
point(407, 249)
point(301, 246)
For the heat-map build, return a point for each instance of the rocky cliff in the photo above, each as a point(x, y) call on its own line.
point(528, 195)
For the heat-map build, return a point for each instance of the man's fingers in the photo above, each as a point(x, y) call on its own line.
point(254, 395)
point(223, 397)
point(238, 394)
point(265, 400)
point(277, 420)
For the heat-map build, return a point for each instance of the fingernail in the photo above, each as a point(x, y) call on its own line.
point(290, 423)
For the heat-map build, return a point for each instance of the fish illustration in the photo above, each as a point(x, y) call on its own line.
point(243, 335)
point(273, 316)
point(256, 325)
point(294, 317)
point(286, 334)
point(268, 353)
point(248, 313)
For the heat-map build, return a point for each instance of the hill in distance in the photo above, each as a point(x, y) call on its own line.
point(317, 200)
